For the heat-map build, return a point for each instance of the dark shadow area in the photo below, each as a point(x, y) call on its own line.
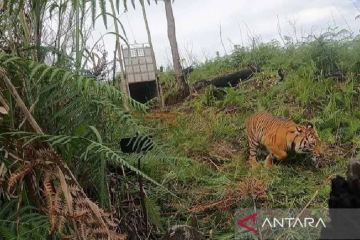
point(143, 91)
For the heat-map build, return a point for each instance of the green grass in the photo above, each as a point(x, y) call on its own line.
point(210, 136)
point(209, 131)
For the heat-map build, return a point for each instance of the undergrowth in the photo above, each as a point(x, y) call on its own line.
point(209, 130)
point(198, 173)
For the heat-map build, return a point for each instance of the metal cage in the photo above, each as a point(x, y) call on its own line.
point(139, 64)
point(140, 72)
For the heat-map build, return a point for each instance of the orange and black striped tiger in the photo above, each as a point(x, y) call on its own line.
point(279, 135)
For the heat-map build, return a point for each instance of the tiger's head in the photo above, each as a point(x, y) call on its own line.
point(308, 141)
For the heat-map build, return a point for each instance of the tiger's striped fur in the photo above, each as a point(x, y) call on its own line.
point(279, 135)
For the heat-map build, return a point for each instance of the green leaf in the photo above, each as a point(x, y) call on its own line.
point(103, 11)
point(11, 59)
point(93, 11)
point(118, 6)
point(35, 69)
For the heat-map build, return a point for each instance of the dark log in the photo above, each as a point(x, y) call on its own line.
point(183, 232)
point(232, 79)
point(201, 84)
point(228, 80)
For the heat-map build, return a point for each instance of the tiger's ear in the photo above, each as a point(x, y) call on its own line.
point(298, 129)
point(309, 125)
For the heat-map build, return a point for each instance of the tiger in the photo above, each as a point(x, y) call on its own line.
point(278, 135)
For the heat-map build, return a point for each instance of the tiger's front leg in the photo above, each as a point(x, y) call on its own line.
point(269, 160)
point(274, 153)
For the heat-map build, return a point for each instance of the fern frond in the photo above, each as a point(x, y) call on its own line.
point(93, 11)
point(7, 208)
point(125, 5)
point(125, 39)
point(20, 173)
point(6, 233)
point(49, 193)
point(102, 4)
point(61, 225)
point(121, 37)
point(118, 5)
point(115, 158)
point(32, 224)
point(133, 3)
point(95, 147)
point(85, 85)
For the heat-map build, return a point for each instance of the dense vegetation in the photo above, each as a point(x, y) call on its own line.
point(209, 128)
point(56, 165)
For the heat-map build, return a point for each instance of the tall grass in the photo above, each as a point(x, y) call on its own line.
point(210, 125)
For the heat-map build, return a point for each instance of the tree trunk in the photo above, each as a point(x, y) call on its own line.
point(162, 103)
point(123, 83)
point(182, 85)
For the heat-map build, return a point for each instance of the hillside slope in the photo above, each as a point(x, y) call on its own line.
point(208, 129)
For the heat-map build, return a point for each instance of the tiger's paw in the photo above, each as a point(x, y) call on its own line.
point(254, 164)
point(268, 163)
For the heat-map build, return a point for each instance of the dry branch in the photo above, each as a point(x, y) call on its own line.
point(19, 101)
point(4, 103)
point(31, 111)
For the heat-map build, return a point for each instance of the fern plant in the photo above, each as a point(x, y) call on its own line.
point(78, 113)
point(24, 223)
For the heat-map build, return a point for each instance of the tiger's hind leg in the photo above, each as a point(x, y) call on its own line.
point(253, 151)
